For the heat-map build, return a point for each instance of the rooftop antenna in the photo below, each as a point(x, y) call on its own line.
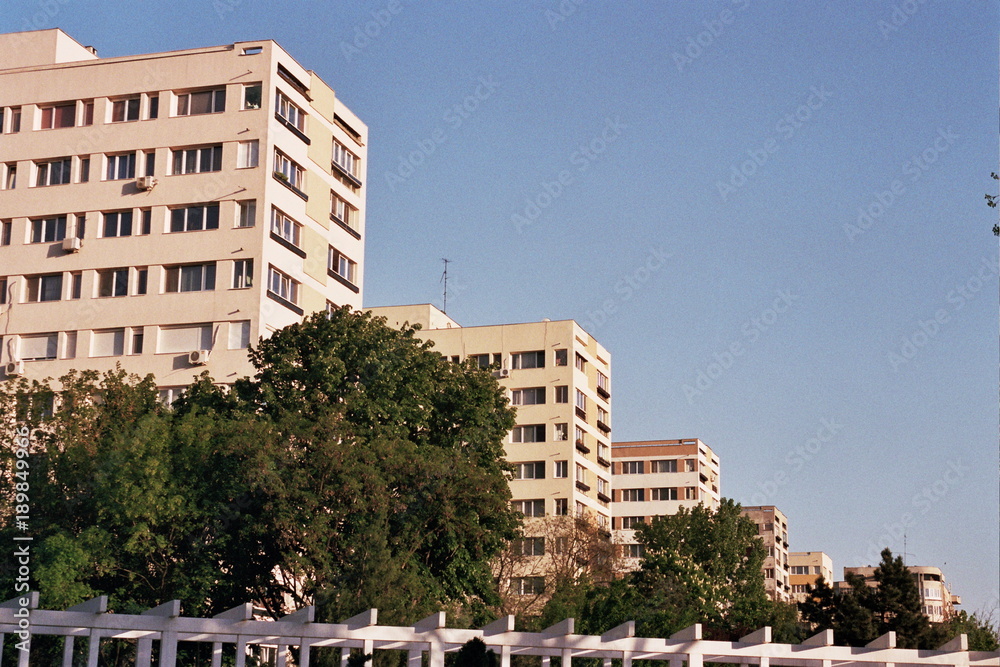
point(444, 279)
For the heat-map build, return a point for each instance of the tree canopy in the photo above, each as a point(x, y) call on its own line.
point(356, 469)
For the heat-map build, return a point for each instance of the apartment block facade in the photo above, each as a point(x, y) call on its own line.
point(772, 527)
point(936, 600)
point(656, 478)
point(805, 569)
point(162, 211)
point(559, 380)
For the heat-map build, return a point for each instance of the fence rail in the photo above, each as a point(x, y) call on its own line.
point(234, 630)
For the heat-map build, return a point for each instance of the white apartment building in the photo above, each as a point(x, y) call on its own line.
point(656, 478)
point(936, 600)
point(164, 210)
point(559, 379)
point(772, 527)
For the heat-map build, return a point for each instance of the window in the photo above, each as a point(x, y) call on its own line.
point(147, 221)
point(252, 96)
point(197, 160)
point(154, 107)
point(342, 265)
point(194, 218)
point(581, 474)
point(669, 465)
point(168, 395)
point(4, 299)
point(141, 280)
point(283, 286)
point(529, 546)
point(187, 338)
point(581, 400)
point(48, 230)
point(190, 278)
point(248, 154)
point(58, 115)
point(527, 585)
point(85, 170)
point(138, 337)
point(117, 223)
point(529, 433)
point(664, 494)
point(149, 157)
point(203, 101)
point(44, 288)
point(242, 273)
point(633, 495)
point(125, 110)
point(633, 467)
point(289, 112)
point(529, 396)
point(799, 588)
point(527, 360)
point(561, 507)
point(562, 394)
point(602, 486)
point(15, 121)
point(39, 347)
point(634, 550)
point(121, 167)
point(631, 522)
point(581, 363)
point(804, 569)
point(54, 172)
point(5, 229)
point(239, 335)
point(284, 227)
point(603, 451)
point(108, 343)
point(602, 415)
point(287, 171)
point(769, 573)
point(529, 507)
point(344, 159)
point(76, 286)
point(343, 212)
point(112, 282)
point(481, 360)
point(10, 178)
point(690, 493)
point(578, 434)
point(561, 356)
point(561, 470)
point(530, 470)
point(603, 383)
point(562, 432)
point(69, 347)
point(247, 213)
point(690, 465)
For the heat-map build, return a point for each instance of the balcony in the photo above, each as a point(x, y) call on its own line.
point(603, 497)
point(603, 461)
point(582, 486)
point(581, 413)
point(582, 447)
point(603, 393)
point(604, 427)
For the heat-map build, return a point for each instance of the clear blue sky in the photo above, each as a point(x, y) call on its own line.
point(715, 160)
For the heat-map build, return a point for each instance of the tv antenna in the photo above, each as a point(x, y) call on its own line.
point(444, 279)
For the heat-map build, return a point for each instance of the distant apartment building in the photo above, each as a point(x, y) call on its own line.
point(936, 601)
point(805, 569)
point(162, 211)
point(656, 478)
point(772, 527)
point(559, 379)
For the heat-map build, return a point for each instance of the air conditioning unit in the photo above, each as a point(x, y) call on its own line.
point(503, 373)
point(14, 368)
point(199, 357)
point(145, 182)
point(72, 244)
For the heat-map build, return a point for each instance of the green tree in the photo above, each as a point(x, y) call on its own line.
point(991, 201)
point(897, 602)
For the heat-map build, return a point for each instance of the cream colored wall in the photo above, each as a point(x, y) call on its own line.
point(163, 74)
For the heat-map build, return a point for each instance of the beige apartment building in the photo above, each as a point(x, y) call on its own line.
point(805, 569)
point(936, 601)
point(656, 478)
point(559, 379)
point(772, 527)
point(162, 211)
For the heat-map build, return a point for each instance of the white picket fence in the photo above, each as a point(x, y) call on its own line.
point(233, 631)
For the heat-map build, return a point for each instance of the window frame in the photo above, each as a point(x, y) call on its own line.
point(206, 281)
point(217, 103)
